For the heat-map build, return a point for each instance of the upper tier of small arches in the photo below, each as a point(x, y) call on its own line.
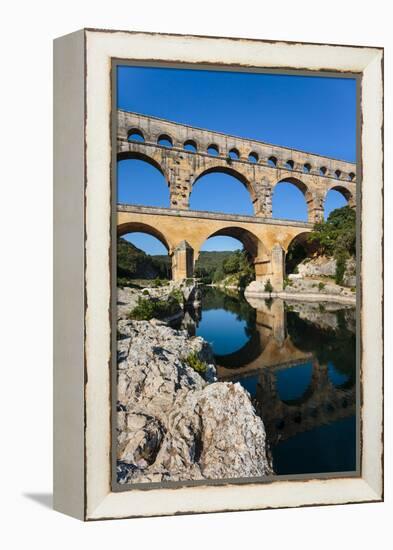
point(233, 153)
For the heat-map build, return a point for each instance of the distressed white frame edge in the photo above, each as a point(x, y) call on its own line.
point(100, 502)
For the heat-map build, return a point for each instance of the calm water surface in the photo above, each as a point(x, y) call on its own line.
point(297, 361)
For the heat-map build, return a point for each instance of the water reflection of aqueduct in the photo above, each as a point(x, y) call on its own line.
point(190, 153)
point(270, 350)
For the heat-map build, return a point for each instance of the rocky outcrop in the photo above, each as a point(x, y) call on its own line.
point(173, 423)
point(127, 297)
point(322, 266)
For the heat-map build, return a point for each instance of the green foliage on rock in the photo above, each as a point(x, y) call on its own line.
point(268, 286)
point(148, 308)
point(287, 282)
point(193, 361)
point(177, 294)
point(337, 237)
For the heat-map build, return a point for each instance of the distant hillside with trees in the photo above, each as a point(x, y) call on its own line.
point(133, 263)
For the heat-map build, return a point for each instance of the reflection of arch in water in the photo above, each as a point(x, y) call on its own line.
point(322, 403)
point(338, 379)
point(275, 347)
point(303, 392)
point(328, 344)
point(249, 352)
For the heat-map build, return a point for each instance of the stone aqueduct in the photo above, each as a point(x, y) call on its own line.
point(190, 153)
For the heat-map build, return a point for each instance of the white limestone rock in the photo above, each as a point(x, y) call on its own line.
point(174, 425)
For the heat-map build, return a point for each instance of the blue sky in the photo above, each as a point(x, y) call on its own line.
point(315, 114)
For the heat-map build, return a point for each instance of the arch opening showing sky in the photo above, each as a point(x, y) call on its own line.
point(221, 242)
point(289, 203)
point(217, 192)
point(334, 199)
point(138, 182)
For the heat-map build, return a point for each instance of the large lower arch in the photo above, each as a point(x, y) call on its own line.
point(232, 173)
point(252, 244)
point(299, 248)
point(256, 253)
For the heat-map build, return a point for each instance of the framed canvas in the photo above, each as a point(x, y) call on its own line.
point(218, 274)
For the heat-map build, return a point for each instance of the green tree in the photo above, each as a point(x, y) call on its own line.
point(232, 264)
point(337, 237)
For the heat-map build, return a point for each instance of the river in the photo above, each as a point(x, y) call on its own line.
point(298, 363)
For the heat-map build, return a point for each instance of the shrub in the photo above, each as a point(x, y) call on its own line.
point(145, 292)
point(321, 286)
point(268, 286)
point(287, 282)
point(160, 282)
point(122, 282)
point(193, 361)
point(147, 309)
point(337, 237)
point(177, 295)
point(340, 267)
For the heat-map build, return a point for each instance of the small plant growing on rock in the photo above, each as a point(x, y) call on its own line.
point(268, 286)
point(321, 286)
point(341, 258)
point(177, 295)
point(145, 292)
point(160, 282)
point(195, 363)
point(287, 282)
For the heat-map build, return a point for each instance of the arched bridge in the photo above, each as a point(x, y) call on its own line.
point(183, 154)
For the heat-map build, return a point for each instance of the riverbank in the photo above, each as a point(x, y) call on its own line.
point(309, 297)
point(312, 290)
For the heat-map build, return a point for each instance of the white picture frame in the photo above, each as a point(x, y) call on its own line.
point(82, 256)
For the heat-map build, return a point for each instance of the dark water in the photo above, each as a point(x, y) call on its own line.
point(297, 361)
